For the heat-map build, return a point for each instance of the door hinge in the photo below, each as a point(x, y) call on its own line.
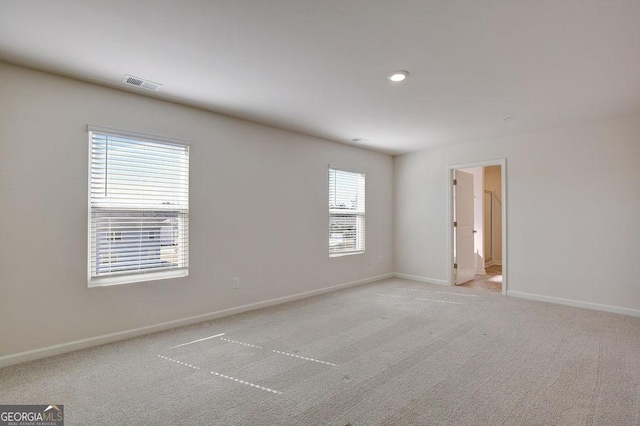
point(455, 181)
point(455, 266)
point(455, 224)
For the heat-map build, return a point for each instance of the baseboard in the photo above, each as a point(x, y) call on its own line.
point(48, 351)
point(421, 279)
point(576, 303)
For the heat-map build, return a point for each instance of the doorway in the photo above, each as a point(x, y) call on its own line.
point(478, 226)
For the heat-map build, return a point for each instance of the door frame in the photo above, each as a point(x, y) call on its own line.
point(450, 209)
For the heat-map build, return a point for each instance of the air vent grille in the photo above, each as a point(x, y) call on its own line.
point(134, 81)
point(140, 82)
point(359, 140)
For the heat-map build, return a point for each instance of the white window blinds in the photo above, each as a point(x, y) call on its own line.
point(139, 208)
point(346, 211)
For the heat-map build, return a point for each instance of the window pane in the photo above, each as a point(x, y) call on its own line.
point(128, 241)
point(343, 236)
point(139, 205)
point(347, 211)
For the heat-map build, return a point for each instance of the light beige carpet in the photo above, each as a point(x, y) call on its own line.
point(395, 352)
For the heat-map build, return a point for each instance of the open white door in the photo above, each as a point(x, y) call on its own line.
point(463, 228)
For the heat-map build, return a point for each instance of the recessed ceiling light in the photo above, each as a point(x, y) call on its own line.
point(398, 75)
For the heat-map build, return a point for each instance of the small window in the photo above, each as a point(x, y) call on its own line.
point(346, 211)
point(139, 208)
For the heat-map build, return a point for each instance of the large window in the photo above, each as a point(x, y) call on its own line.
point(139, 207)
point(346, 211)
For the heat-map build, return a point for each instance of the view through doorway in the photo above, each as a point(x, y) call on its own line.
point(491, 280)
point(478, 225)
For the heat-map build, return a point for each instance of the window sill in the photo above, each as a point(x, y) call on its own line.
point(349, 253)
point(129, 279)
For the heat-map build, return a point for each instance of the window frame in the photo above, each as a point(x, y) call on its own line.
point(360, 215)
point(128, 278)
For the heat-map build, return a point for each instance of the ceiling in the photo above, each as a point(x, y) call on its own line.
point(319, 67)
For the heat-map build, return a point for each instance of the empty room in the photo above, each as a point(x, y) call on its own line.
point(297, 212)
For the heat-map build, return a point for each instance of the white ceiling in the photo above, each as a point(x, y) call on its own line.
point(319, 66)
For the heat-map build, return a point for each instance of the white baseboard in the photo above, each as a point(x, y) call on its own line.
point(48, 351)
point(575, 303)
point(421, 279)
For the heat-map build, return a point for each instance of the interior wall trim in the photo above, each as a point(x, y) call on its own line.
point(576, 303)
point(421, 279)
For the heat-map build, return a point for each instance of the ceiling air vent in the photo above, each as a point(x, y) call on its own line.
point(140, 82)
point(359, 140)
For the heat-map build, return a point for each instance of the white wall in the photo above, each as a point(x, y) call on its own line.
point(258, 200)
point(573, 211)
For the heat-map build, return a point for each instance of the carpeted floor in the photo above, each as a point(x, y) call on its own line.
point(394, 352)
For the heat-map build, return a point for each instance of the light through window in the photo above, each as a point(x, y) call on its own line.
point(139, 208)
point(346, 211)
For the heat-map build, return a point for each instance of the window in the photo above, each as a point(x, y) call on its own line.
point(139, 208)
point(346, 211)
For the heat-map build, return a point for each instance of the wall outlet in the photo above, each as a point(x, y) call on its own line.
point(235, 282)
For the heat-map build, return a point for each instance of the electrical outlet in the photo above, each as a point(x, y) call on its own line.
point(235, 282)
